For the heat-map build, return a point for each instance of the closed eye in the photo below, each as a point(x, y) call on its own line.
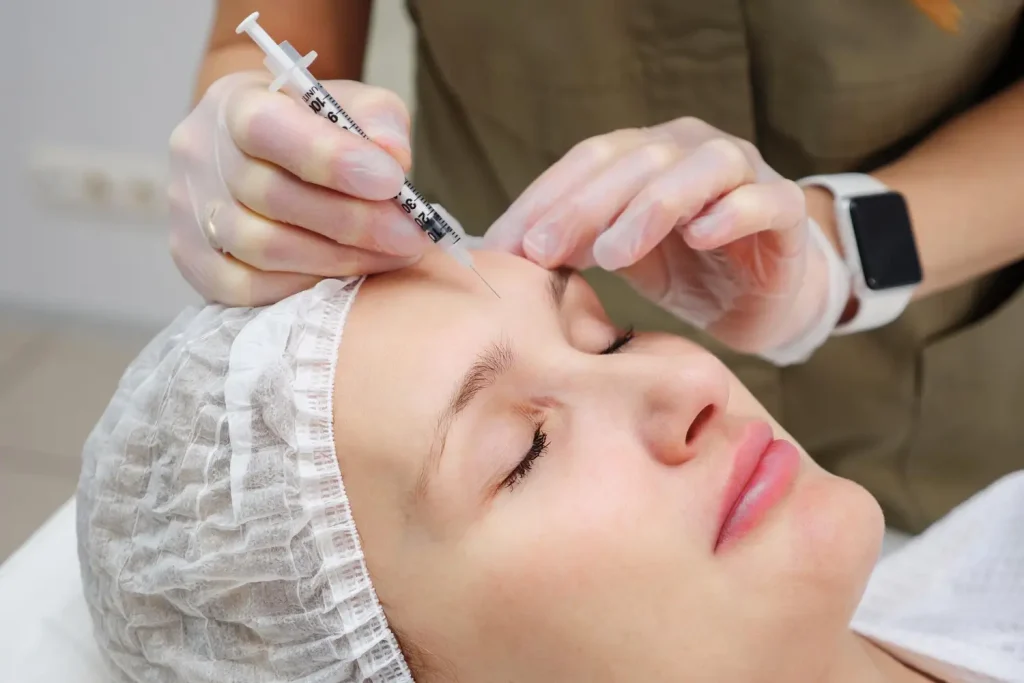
point(540, 438)
point(620, 342)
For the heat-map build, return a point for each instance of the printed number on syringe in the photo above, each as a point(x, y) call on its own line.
point(317, 105)
point(421, 219)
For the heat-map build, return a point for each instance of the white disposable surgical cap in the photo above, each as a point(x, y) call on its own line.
point(216, 539)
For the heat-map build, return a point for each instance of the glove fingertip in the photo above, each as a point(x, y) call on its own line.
point(607, 255)
point(399, 150)
point(501, 236)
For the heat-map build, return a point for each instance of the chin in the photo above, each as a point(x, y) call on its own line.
point(835, 533)
point(800, 578)
point(816, 551)
point(795, 581)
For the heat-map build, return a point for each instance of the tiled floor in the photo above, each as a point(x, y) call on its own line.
point(56, 377)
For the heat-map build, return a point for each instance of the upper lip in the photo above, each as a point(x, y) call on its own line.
point(757, 437)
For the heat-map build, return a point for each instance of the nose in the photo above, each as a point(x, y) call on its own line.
point(677, 399)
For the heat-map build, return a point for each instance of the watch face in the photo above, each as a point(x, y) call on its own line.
point(888, 254)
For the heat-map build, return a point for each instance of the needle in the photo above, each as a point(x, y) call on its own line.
point(484, 281)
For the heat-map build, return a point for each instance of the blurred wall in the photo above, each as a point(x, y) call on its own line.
point(110, 79)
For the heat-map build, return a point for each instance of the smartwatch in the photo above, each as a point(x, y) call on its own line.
point(878, 247)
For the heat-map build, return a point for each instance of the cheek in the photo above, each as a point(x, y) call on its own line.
point(586, 548)
point(605, 494)
point(568, 526)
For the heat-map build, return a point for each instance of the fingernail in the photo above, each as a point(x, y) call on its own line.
point(394, 128)
point(704, 226)
point(402, 238)
point(371, 173)
point(541, 243)
point(613, 248)
point(608, 255)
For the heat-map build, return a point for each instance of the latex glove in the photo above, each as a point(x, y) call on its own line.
point(695, 220)
point(289, 197)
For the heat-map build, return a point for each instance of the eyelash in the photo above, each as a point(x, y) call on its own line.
point(620, 342)
point(540, 437)
point(537, 449)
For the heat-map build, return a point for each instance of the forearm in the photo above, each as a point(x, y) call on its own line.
point(336, 30)
point(964, 187)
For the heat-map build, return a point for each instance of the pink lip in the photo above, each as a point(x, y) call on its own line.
point(763, 469)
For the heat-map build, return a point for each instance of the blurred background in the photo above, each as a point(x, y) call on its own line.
point(91, 93)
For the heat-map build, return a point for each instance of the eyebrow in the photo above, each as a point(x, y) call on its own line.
point(558, 282)
point(496, 359)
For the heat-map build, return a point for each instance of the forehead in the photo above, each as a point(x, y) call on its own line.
point(409, 338)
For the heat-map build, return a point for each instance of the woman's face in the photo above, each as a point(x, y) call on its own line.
point(542, 499)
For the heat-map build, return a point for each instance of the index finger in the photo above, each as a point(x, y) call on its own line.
point(576, 168)
point(272, 127)
point(674, 198)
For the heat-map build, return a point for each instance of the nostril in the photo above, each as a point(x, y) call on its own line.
point(703, 417)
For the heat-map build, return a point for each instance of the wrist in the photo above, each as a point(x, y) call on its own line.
point(224, 60)
point(819, 304)
point(821, 208)
point(881, 263)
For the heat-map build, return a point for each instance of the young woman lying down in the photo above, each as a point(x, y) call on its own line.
point(539, 497)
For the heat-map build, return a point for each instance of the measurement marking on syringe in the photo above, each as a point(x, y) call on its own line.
point(290, 70)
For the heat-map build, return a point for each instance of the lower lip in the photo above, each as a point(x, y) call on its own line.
point(767, 486)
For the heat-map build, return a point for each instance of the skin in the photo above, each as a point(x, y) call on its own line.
point(336, 30)
point(600, 563)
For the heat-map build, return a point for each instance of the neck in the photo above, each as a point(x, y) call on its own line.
point(860, 661)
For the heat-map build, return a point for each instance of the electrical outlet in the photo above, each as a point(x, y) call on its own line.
point(99, 184)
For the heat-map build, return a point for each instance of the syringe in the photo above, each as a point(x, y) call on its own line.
point(291, 72)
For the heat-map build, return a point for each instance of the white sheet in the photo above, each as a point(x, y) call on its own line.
point(45, 630)
point(952, 601)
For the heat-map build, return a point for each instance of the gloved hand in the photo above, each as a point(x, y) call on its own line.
point(695, 220)
point(288, 197)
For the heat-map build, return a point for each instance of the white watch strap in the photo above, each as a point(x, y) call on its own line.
point(844, 185)
point(875, 308)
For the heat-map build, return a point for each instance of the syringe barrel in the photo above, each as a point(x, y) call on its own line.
point(283, 61)
point(426, 216)
point(291, 74)
point(296, 79)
